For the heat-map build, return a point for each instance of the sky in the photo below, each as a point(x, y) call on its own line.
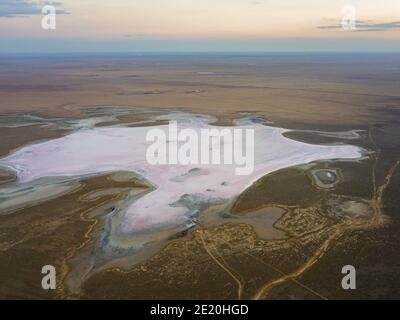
point(200, 25)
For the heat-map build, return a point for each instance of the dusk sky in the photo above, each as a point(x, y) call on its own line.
point(194, 25)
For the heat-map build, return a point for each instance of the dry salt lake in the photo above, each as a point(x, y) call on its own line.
point(179, 193)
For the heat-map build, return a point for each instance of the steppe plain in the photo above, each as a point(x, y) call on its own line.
point(326, 214)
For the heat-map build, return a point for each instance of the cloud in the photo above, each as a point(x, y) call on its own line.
point(21, 8)
point(363, 26)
